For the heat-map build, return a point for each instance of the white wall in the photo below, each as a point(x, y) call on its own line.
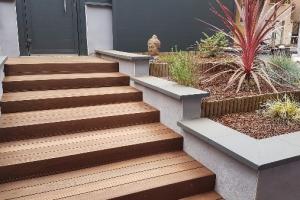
point(99, 28)
point(280, 183)
point(9, 42)
point(234, 181)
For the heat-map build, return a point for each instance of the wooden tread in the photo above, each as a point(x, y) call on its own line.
point(24, 125)
point(67, 152)
point(55, 99)
point(205, 196)
point(58, 65)
point(163, 176)
point(63, 81)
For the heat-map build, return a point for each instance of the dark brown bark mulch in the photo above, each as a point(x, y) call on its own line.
point(217, 86)
point(257, 125)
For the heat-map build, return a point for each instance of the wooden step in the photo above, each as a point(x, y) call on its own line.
point(165, 176)
point(205, 196)
point(63, 81)
point(42, 156)
point(58, 65)
point(34, 124)
point(55, 99)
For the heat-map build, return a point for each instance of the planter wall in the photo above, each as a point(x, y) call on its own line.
point(162, 69)
point(242, 104)
point(246, 168)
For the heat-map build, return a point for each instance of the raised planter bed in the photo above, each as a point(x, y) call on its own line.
point(246, 168)
point(222, 102)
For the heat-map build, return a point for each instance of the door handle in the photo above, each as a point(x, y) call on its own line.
point(65, 6)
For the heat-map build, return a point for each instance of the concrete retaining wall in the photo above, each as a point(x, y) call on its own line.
point(245, 168)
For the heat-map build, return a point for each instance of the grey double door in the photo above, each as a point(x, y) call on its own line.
point(51, 26)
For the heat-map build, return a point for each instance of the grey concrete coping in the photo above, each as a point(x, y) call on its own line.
point(257, 154)
point(123, 55)
point(169, 88)
point(2, 60)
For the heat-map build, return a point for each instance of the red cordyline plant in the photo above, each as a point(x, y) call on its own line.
point(259, 20)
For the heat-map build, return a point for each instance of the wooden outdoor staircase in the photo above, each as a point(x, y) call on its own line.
point(73, 128)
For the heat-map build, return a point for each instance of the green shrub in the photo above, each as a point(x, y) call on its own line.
point(213, 45)
point(181, 67)
point(286, 109)
point(291, 68)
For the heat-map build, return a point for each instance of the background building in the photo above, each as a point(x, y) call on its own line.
point(80, 26)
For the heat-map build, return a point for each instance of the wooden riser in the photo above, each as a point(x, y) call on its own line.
point(68, 102)
point(174, 191)
point(69, 127)
point(205, 196)
point(59, 68)
point(52, 84)
point(89, 159)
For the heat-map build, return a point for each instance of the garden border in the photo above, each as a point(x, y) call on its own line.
point(246, 168)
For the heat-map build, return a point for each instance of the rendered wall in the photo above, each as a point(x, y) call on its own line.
point(280, 182)
point(99, 28)
point(9, 44)
point(234, 181)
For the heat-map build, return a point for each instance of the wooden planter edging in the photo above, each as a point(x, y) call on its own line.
point(162, 69)
point(240, 104)
point(159, 69)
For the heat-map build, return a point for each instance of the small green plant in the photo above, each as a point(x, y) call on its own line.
point(213, 45)
point(291, 68)
point(285, 108)
point(181, 67)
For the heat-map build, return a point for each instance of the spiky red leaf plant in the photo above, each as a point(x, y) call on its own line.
point(259, 20)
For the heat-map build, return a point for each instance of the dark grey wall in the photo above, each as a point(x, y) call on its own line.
point(174, 22)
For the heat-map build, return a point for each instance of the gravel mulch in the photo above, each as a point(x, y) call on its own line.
point(257, 125)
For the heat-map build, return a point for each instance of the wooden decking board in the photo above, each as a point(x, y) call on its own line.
point(73, 175)
point(149, 187)
point(96, 178)
point(59, 68)
point(45, 77)
point(205, 196)
point(53, 94)
point(20, 160)
point(63, 81)
point(68, 114)
point(81, 136)
point(54, 60)
point(105, 178)
point(56, 99)
point(25, 125)
point(96, 143)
